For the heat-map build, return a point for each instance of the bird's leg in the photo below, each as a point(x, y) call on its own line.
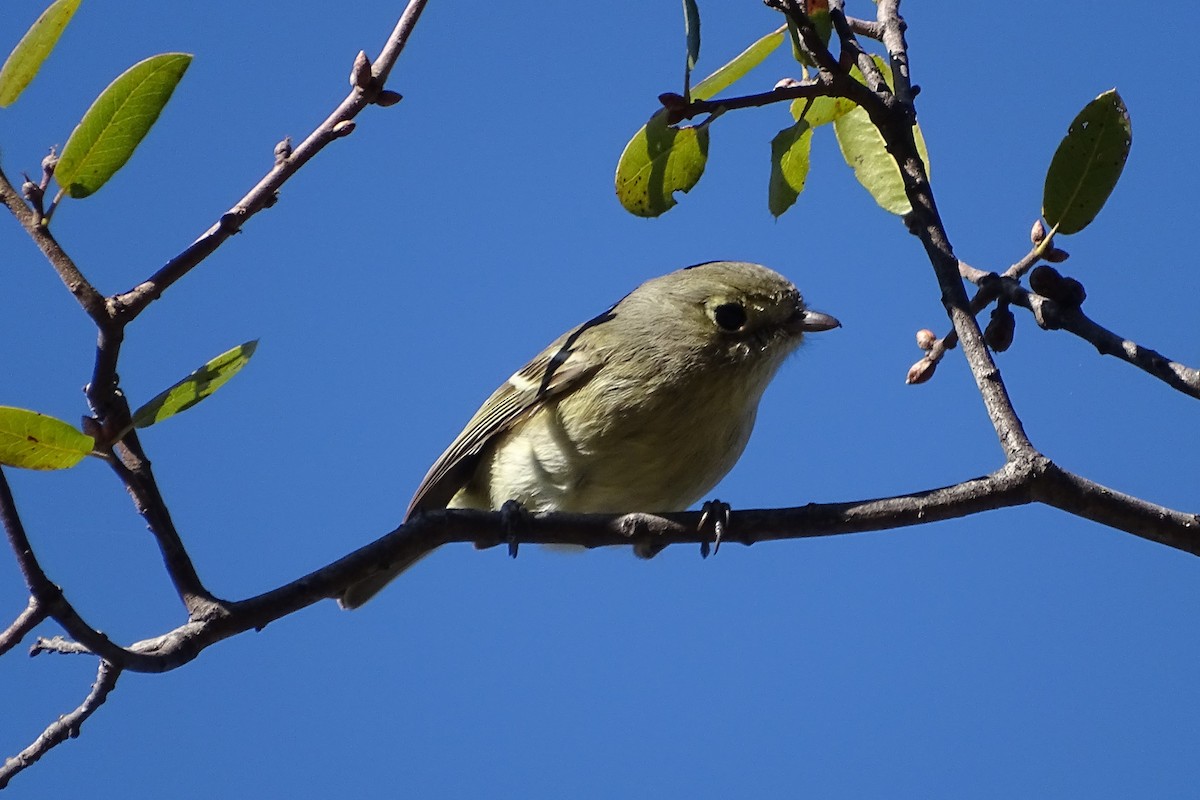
point(514, 518)
point(716, 513)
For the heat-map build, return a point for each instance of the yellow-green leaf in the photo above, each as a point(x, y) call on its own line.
point(1088, 163)
point(659, 161)
point(35, 441)
point(195, 387)
point(863, 149)
point(736, 69)
point(26, 59)
point(116, 123)
point(822, 111)
point(789, 166)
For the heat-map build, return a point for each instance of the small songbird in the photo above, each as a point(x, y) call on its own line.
point(642, 408)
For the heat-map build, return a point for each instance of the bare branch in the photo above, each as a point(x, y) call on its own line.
point(133, 468)
point(50, 597)
point(29, 619)
point(65, 727)
point(888, 15)
point(131, 303)
point(1021, 481)
point(1056, 316)
point(90, 299)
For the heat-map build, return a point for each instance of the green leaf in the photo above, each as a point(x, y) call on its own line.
point(26, 58)
point(863, 149)
point(823, 110)
point(117, 121)
point(1088, 163)
point(35, 441)
point(748, 59)
point(789, 166)
point(195, 387)
point(659, 161)
point(691, 30)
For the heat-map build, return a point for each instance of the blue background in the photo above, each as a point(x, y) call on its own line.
point(416, 264)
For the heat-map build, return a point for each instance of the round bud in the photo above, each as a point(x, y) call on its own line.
point(1073, 293)
point(1056, 256)
point(926, 339)
point(1045, 280)
point(999, 331)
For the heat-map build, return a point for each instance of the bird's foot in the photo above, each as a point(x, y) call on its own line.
point(639, 528)
point(716, 514)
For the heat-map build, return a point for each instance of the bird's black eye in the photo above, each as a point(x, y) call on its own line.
point(730, 316)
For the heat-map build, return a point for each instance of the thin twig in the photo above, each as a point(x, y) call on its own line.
point(30, 618)
point(104, 396)
point(263, 195)
point(50, 597)
point(1055, 316)
point(90, 299)
point(65, 727)
point(888, 16)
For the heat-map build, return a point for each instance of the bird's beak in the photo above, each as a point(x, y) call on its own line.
point(811, 321)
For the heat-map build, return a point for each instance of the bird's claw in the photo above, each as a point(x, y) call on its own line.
point(716, 513)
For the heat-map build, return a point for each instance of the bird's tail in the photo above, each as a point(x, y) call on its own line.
point(367, 588)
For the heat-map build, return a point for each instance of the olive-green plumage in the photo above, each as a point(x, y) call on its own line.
point(642, 408)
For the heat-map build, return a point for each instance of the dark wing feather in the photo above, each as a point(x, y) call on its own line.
point(561, 367)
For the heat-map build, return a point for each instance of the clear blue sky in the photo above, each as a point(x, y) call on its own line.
point(416, 264)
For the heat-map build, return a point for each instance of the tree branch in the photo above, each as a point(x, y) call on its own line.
point(30, 618)
point(91, 300)
point(131, 303)
point(1019, 482)
point(50, 597)
point(66, 726)
point(1056, 316)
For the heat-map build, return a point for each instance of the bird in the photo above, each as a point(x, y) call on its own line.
point(644, 407)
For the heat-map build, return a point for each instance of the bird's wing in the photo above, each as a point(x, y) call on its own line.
point(562, 367)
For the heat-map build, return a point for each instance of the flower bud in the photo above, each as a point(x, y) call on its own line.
point(48, 165)
point(926, 339)
point(1037, 234)
point(360, 75)
point(921, 371)
point(32, 192)
point(283, 150)
point(1056, 256)
point(388, 98)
